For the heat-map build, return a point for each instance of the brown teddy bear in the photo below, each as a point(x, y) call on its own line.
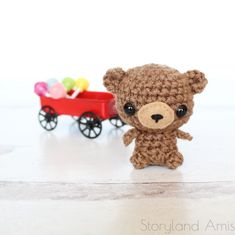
point(156, 100)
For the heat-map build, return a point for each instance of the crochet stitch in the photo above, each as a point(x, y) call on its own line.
point(156, 100)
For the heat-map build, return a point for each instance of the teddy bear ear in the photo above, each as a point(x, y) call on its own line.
point(112, 78)
point(197, 81)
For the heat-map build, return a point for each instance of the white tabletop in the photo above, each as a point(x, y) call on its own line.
point(60, 182)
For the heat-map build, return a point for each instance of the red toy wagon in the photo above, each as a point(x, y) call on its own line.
point(89, 108)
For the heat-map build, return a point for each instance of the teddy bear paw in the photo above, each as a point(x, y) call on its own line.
point(127, 139)
point(175, 161)
point(138, 163)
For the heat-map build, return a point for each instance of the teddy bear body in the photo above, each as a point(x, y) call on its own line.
point(156, 149)
point(156, 100)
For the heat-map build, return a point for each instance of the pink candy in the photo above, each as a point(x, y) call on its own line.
point(57, 91)
point(40, 88)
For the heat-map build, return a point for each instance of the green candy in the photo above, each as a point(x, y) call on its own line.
point(68, 83)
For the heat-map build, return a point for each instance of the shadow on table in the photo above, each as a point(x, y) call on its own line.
point(72, 148)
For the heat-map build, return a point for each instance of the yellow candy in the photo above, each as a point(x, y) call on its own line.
point(82, 84)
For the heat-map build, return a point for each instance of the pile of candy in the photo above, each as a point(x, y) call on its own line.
point(54, 89)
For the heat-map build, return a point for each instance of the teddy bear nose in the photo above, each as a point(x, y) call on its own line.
point(157, 117)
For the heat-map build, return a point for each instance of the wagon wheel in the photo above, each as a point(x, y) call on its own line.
point(117, 121)
point(90, 125)
point(48, 118)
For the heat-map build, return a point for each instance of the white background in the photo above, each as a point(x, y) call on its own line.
point(53, 39)
point(62, 183)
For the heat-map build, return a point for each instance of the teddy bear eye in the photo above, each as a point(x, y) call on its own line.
point(129, 109)
point(181, 110)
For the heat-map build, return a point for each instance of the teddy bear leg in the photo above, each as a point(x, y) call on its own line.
point(139, 161)
point(174, 160)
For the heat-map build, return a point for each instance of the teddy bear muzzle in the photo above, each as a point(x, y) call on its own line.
point(156, 115)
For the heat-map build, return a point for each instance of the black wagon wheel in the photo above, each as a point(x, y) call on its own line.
point(90, 125)
point(117, 121)
point(48, 118)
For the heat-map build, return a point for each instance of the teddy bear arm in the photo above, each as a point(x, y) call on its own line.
point(183, 135)
point(129, 136)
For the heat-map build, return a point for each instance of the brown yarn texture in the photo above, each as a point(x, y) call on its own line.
point(146, 88)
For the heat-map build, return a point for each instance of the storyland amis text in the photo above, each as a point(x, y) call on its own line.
point(147, 225)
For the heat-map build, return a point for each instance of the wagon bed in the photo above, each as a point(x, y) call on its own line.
point(100, 103)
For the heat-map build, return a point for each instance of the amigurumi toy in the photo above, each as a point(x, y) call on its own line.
point(156, 100)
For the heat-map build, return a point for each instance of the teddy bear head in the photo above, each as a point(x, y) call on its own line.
point(154, 97)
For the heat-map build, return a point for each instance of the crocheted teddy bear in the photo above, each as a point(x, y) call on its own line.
point(156, 100)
